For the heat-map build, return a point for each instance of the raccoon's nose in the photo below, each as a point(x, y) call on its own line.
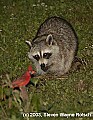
point(42, 66)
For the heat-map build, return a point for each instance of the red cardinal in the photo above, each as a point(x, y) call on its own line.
point(24, 79)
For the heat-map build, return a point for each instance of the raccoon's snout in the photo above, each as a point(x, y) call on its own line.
point(43, 66)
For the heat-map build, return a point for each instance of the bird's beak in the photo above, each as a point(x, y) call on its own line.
point(32, 72)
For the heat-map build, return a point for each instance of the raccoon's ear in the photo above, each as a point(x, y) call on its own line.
point(50, 40)
point(28, 43)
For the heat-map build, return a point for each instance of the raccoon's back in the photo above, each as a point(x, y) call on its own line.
point(56, 25)
point(61, 30)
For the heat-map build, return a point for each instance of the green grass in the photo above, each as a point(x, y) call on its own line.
point(19, 21)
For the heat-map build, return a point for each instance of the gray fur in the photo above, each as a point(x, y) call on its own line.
point(55, 36)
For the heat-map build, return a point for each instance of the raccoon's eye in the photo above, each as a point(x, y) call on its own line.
point(47, 55)
point(36, 57)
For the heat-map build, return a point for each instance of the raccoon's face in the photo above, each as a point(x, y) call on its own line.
point(42, 57)
point(42, 51)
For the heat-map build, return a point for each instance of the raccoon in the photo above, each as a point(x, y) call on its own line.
point(54, 47)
